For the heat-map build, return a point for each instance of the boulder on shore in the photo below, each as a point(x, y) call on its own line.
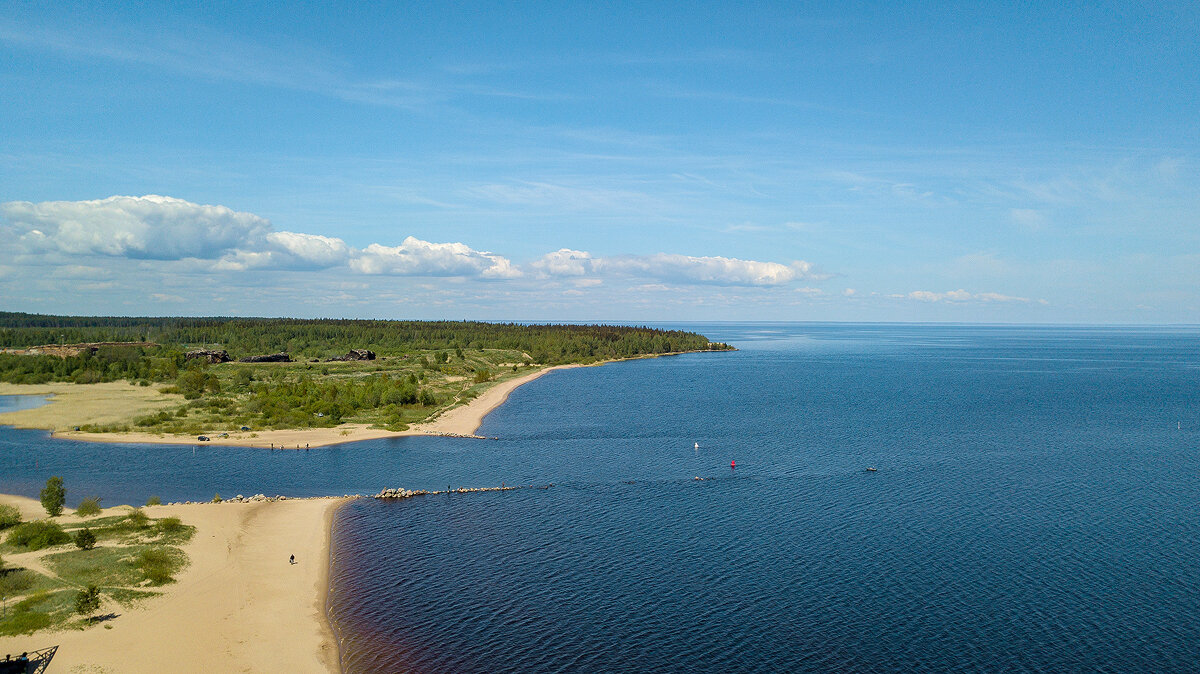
point(280, 357)
point(356, 354)
point(208, 355)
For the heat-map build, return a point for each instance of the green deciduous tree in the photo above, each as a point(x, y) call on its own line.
point(54, 496)
point(9, 516)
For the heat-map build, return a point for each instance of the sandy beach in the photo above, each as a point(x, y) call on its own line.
point(239, 606)
point(107, 403)
point(78, 404)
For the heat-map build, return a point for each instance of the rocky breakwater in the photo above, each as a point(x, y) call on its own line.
point(401, 493)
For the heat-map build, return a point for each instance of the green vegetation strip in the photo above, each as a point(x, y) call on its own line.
point(422, 367)
point(132, 552)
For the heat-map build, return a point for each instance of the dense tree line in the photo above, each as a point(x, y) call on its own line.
point(107, 364)
point(548, 343)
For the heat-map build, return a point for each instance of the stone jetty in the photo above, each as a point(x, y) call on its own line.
point(409, 493)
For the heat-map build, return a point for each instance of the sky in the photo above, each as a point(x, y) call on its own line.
point(975, 162)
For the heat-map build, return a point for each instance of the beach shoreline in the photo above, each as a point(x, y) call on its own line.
point(238, 605)
point(461, 421)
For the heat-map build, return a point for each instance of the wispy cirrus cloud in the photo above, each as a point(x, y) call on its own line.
point(293, 66)
point(961, 295)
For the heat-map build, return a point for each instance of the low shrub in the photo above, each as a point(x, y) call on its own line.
point(38, 535)
point(157, 565)
point(217, 498)
point(85, 539)
point(9, 516)
point(170, 525)
point(16, 581)
point(88, 506)
point(138, 519)
point(153, 500)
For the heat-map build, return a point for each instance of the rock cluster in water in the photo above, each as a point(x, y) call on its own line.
point(409, 493)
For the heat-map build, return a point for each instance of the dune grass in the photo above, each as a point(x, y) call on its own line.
point(132, 552)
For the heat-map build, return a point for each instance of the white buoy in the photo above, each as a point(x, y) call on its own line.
point(697, 446)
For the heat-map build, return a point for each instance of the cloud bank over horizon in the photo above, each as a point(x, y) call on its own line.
point(220, 239)
point(138, 254)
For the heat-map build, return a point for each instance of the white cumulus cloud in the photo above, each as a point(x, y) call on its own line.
point(673, 268)
point(414, 257)
point(220, 239)
point(149, 227)
point(564, 262)
point(289, 250)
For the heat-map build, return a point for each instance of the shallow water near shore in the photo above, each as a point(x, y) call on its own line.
point(1034, 508)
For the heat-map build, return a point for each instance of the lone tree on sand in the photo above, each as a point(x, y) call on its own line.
point(87, 602)
point(54, 496)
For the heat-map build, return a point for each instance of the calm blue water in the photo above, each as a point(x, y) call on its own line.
point(1034, 509)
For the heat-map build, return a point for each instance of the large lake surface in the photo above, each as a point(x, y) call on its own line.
point(1036, 507)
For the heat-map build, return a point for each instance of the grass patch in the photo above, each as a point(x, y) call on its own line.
point(38, 611)
point(159, 565)
point(139, 554)
point(173, 532)
point(16, 581)
point(131, 598)
point(107, 566)
point(118, 566)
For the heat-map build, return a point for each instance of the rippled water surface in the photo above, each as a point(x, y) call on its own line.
point(1035, 508)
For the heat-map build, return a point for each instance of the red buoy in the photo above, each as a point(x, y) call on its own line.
point(733, 464)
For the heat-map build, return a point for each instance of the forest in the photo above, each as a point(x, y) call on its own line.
point(549, 344)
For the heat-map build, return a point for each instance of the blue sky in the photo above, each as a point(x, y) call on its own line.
point(617, 161)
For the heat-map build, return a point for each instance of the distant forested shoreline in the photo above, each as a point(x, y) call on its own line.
point(550, 344)
point(402, 372)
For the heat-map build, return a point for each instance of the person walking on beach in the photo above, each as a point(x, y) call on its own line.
point(292, 559)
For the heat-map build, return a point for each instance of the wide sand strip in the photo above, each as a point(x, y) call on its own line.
point(239, 606)
point(127, 401)
point(73, 405)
